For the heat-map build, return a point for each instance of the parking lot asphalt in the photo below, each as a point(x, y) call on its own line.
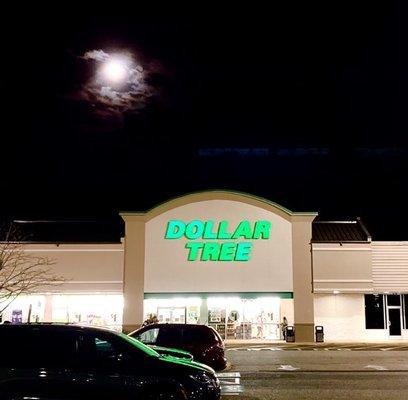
point(326, 386)
point(361, 372)
point(346, 346)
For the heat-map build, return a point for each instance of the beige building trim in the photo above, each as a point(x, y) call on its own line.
point(133, 287)
point(218, 195)
point(315, 248)
point(345, 290)
point(88, 247)
point(302, 278)
point(343, 280)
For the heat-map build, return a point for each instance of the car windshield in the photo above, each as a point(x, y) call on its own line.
point(146, 349)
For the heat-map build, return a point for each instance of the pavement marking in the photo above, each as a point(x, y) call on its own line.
point(287, 368)
point(377, 367)
point(339, 347)
point(230, 383)
point(389, 348)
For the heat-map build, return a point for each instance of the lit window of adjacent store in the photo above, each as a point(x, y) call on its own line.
point(374, 311)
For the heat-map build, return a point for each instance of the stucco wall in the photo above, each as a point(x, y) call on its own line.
point(343, 319)
point(168, 270)
point(87, 268)
point(345, 267)
point(342, 316)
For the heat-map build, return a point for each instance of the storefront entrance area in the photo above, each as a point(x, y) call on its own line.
point(233, 317)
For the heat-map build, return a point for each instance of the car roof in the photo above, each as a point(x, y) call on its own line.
point(175, 326)
point(61, 328)
point(53, 327)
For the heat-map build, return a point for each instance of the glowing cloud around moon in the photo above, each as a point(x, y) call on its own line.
point(119, 83)
point(115, 71)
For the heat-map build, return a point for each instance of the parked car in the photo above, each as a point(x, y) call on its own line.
point(203, 342)
point(47, 361)
point(173, 352)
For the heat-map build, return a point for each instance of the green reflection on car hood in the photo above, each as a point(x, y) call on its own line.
point(171, 350)
point(167, 358)
point(187, 363)
point(140, 345)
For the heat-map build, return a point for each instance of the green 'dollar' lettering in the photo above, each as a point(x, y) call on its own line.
point(222, 231)
point(261, 230)
point(175, 229)
point(243, 230)
point(208, 230)
point(194, 229)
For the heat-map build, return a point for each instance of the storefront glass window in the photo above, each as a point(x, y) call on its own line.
point(231, 317)
point(393, 300)
point(174, 310)
point(250, 318)
point(25, 309)
point(96, 310)
point(374, 311)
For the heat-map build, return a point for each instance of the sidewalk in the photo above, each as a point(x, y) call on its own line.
point(258, 342)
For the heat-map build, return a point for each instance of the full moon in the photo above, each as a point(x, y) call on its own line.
point(115, 71)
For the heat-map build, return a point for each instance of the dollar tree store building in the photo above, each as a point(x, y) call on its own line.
point(236, 262)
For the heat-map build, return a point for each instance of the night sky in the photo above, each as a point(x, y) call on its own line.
point(304, 105)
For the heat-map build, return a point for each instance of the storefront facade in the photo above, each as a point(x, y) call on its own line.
point(235, 262)
point(231, 260)
point(90, 292)
point(360, 290)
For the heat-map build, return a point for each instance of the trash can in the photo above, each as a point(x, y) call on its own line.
point(290, 333)
point(319, 334)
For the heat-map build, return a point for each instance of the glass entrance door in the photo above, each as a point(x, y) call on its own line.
point(394, 314)
point(394, 324)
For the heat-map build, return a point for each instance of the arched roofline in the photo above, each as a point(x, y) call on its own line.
point(207, 195)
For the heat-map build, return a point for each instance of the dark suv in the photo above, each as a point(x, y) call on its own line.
point(69, 362)
point(202, 341)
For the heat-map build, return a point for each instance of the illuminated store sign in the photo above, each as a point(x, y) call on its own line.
point(221, 242)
